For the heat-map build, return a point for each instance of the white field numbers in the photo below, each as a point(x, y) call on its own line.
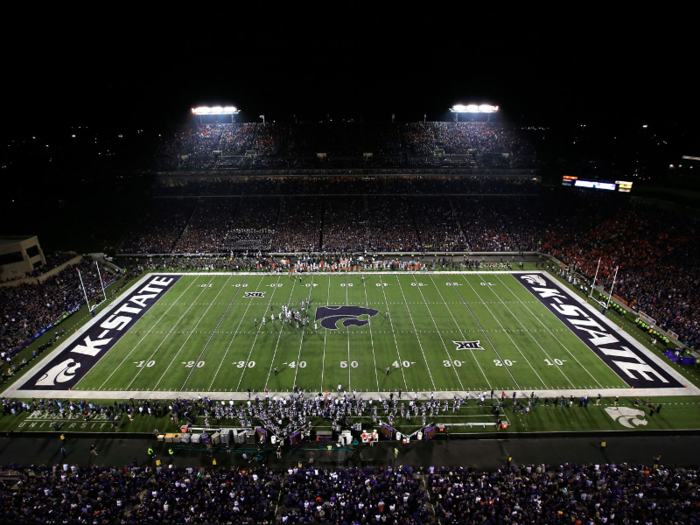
point(192, 364)
point(405, 364)
point(506, 362)
point(141, 364)
point(353, 364)
point(557, 362)
point(293, 364)
point(342, 285)
point(242, 364)
point(449, 363)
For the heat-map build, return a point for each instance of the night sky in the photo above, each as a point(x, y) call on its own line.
point(539, 65)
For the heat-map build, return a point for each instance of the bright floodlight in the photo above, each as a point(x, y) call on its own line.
point(216, 110)
point(473, 108)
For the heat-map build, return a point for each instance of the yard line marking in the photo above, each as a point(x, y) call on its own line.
point(347, 329)
point(262, 278)
point(190, 335)
point(439, 334)
point(410, 316)
point(391, 322)
point(272, 362)
point(455, 288)
point(550, 331)
point(325, 335)
point(509, 337)
point(374, 356)
point(274, 291)
point(171, 331)
point(304, 328)
point(529, 333)
point(144, 337)
point(213, 332)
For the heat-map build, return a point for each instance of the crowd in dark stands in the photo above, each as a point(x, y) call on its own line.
point(283, 145)
point(27, 309)
point(569, 493)
point(656, 252)
point(187, 185)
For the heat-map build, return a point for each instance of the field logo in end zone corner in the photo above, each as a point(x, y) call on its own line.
point(60, 373)
point(633, 365)
point(535, 280)
point(72, 363)
point(627, 416)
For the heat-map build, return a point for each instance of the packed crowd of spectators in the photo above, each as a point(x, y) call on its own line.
point(299, 225)
point(220, 186)
point(657, 255)
point(569, 493)
point(657, 252)
point(27, 309)
point(159, 228)
point(207, 227)
point(284, 145)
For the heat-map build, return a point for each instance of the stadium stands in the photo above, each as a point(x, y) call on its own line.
point(569, 493)
point(274, 145)
point(28, 309)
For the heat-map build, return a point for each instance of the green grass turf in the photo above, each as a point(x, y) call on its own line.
point(201, 336)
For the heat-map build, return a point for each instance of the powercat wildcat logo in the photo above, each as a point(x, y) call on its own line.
point(60, 373)
point(627, 416)
point(535, 279)
point(75, 360)
point(351, 316)
point(633, 365)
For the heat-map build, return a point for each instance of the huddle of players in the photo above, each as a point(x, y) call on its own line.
point(289, 314)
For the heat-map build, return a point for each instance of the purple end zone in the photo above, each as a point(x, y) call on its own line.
point(632, 365)
point(68, 367)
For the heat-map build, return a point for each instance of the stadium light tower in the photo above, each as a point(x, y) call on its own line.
point(473, 108)
point(215, 110)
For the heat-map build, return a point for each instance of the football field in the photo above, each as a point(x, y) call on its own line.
point(371, 332)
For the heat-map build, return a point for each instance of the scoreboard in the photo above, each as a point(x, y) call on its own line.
point(621, 186)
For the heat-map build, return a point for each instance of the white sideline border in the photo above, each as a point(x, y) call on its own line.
point(619, 332)
point(14, 392)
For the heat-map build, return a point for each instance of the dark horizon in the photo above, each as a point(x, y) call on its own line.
point(539, 68)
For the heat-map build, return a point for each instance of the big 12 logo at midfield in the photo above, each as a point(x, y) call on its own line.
point(351, 316)
point(627, 416)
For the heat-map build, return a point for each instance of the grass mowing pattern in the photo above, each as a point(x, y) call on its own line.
point(202, 336)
